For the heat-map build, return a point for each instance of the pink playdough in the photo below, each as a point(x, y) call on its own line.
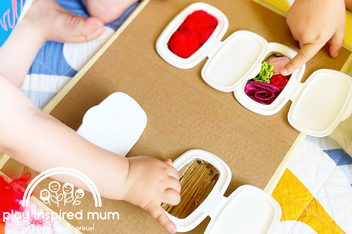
point(278, 62)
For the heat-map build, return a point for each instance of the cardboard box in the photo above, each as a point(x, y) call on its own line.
point(183, 111)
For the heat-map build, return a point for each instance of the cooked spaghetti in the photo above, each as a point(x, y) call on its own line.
point(196, 183)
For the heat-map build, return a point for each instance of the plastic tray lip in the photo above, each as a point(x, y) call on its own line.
point(198, 56)
point(254, 68)
point(286, 93)
point(249, 188)
point(216, 203)
point(198, 215)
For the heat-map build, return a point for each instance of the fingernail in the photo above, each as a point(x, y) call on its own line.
point(99, 29)
point(173, 229)
point(97, 26)
point(284, 72)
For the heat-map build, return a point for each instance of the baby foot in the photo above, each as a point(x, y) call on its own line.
point(57, 24)
point(107, 10)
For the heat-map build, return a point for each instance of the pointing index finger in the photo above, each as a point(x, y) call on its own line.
point(304, 54)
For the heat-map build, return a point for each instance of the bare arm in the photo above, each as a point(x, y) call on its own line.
point(41, 142)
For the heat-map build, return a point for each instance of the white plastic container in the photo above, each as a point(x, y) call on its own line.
point(247, 210)
point(115, 124)
point(231, 63)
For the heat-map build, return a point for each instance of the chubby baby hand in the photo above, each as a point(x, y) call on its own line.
point(151, 182)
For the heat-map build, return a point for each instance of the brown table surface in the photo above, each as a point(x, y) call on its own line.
point(183, 111)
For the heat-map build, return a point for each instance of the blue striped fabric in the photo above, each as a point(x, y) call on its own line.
point(51, 70)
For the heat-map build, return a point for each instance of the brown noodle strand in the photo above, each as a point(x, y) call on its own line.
point(191, 192)
point(196, 183)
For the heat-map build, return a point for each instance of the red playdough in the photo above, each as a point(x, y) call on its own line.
point(199, 21)
point(204, 35)
point(184, 43)
point(192, 33)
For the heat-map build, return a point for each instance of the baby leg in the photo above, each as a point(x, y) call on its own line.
point(45, 20)
point(107, 10)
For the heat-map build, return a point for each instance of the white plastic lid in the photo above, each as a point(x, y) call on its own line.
point(231, 63)
point(238, 59)
point(115, 124)
point(286, 93)
point(200, 54)
point(321, 103)
point(247, 210)
point(324, 103)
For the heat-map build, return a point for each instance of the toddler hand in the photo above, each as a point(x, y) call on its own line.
point(151, 182)
point(313, 23)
